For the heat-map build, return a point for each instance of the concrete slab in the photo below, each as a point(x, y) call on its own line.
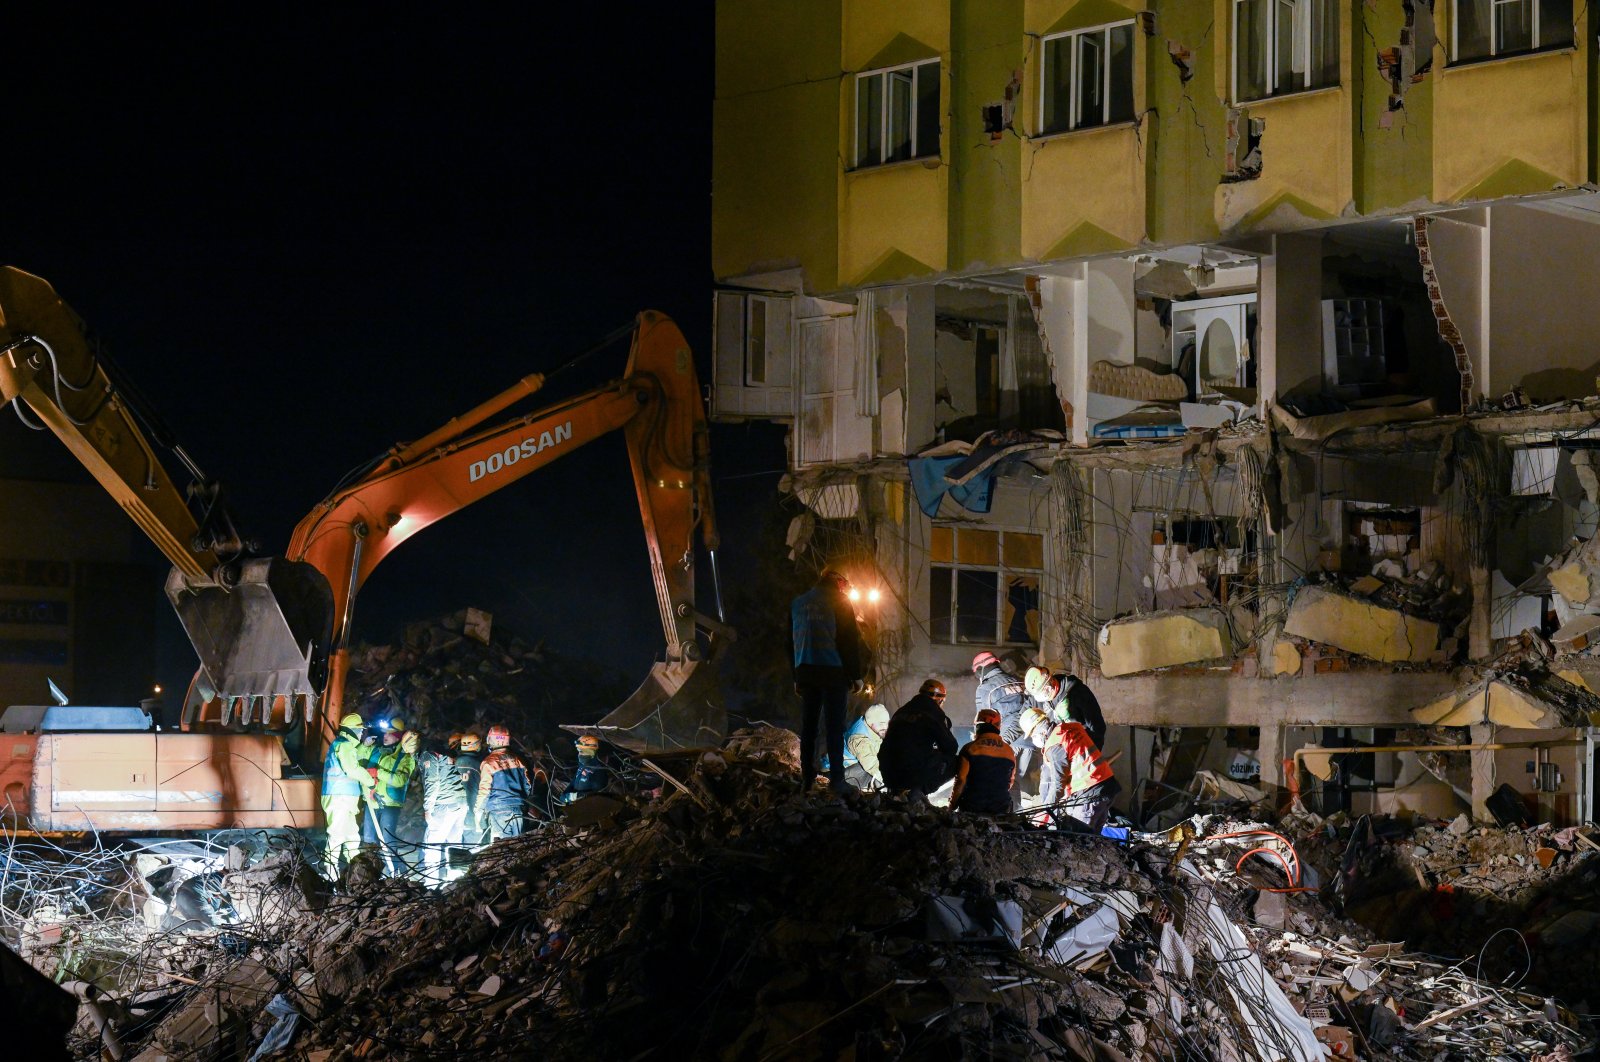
point(1361, 627)
point(1163, 639)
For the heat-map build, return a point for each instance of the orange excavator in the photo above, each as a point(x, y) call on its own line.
point(271, 633)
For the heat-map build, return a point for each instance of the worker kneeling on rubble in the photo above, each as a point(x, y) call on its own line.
point(505, 789)
point(346, 786)
point(444, 807)
point(862, 744)
point(919, 748)
point(1067, 700)
point(1074, 774)
point(985, 769)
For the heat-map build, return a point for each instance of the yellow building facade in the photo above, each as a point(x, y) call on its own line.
point(1395, 120)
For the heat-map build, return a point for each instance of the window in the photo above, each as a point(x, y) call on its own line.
point(1282, 46)
point(897, 114)
point(984, 586)
point(1485, 29)
point(1086, 78)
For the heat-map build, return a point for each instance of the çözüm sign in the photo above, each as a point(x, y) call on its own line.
point(517, 451)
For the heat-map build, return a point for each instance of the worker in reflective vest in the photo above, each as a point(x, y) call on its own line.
point(1074, 774)
point(346, 787)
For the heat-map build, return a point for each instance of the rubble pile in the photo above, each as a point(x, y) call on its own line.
point(1523, 903)
point(737, 918)
point(459, 672)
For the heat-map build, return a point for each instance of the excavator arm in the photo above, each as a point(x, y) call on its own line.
point(658, 407)
point(52, 378)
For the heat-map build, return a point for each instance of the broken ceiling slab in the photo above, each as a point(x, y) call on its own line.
point(1537, 701)
point(1576, 573)
point(1318, 428)
point(1163, 639)
point(1361, 627)
point(1577, 634)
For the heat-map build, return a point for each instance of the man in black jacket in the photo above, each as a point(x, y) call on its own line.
point(1066, 699)
point(919, 748)
point(828, 663)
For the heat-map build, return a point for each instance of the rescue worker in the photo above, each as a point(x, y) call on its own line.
point(468, 762)
point(1067, 700)
point(985, 769)
point(861, 745)
point(1002, 691)
point(504, 788)
point(827, 654)
point(394, 768)
point(444, 808)
point(346, 787)
point(592, 776)
point(1074, 773)
point(374, 743)
point(919, 748)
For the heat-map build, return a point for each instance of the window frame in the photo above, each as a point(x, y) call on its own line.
point(1270, 74)
point(886, 99)
point(1074, 104)
point(951, 634)
point(1495, 51)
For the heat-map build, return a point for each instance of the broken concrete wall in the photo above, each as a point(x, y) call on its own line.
point(1541, 272)
point(1361, 627)
point(1163, 639)
point(1291, 317)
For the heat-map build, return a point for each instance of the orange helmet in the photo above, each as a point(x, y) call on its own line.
point(455, 740)
point(588, 745)
point(499, 737)
point(988, 715)
point(933, 688)
point(471, 742)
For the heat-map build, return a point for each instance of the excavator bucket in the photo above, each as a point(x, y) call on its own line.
point(679, 706)
point(262, 642)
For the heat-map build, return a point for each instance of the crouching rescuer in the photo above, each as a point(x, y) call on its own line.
point(985, 769)
point(346, 787)
point(1076, 785)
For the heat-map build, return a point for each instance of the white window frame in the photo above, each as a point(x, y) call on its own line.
point(950, 635)
point(1075, 105)
point(887, 99)
point(1302, 47)
point(1494, 44)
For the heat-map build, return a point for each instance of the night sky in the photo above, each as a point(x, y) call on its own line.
point(312, 234)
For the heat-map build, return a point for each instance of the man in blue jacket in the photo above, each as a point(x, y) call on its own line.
point(827, 656)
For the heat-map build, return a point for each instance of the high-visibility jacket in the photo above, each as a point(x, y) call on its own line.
point(342, 770)
point(985, 769)
point(1072, 764)
point(394, 770)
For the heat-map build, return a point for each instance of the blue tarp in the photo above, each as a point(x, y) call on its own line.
point(928, 479)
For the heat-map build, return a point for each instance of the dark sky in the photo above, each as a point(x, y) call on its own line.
point(309, 234)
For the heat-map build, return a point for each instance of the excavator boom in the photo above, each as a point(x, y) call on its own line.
point(656, 404)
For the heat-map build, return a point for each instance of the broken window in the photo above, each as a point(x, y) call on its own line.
point(1282, 46)
point(1485, 29)
point(984, 586)
point(897, 114)
point(1086, 78)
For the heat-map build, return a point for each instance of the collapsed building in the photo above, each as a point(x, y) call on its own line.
point(1228, 355)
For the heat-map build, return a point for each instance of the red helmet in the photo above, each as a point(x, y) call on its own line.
point(988, 715)
point(984, 659)
point(499, 737)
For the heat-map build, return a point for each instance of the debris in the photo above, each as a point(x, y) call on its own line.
point(1163, 639)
